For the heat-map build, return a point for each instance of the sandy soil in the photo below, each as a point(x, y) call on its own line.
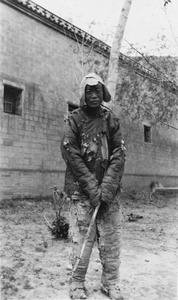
point(35, 266)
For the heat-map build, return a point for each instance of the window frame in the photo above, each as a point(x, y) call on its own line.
point(16, 86)
point(74, 105)
point(145, 127)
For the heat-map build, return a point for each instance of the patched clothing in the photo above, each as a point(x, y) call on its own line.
point(94, 152)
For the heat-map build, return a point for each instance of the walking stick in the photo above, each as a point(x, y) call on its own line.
point(86, 240)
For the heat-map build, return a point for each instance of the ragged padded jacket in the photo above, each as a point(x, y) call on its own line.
point(94, 152)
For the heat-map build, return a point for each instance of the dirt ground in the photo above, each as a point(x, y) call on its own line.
point(34, 265)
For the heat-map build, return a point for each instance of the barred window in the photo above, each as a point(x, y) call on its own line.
point(12, 100)
point(147, 134)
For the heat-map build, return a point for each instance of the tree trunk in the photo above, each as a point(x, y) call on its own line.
point(113, 71)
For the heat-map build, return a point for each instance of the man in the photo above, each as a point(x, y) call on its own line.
point(93, 150)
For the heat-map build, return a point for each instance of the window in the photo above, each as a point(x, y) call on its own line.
point(147, 134)
point(12, 100)
point(72, 107)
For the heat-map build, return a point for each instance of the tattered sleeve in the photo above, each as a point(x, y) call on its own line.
point(70, 149)
point(112, 179)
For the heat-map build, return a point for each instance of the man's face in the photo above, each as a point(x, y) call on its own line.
point(94, 95)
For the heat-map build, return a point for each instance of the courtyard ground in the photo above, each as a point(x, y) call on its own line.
point(34, 265)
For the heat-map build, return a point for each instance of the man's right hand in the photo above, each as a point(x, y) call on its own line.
point(96, 200)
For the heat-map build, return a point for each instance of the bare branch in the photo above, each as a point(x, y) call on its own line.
point(166, 2)
point(158, 69)
point(71, 92)
point(160, 120)
point(171, 28)
point(47, 223)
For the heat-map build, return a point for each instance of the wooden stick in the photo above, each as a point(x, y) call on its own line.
point(92, 222)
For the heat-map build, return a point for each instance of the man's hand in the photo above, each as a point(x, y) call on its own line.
point(96, 200)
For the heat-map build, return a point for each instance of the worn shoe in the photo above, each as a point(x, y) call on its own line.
point(113, 292)
point(77, 291)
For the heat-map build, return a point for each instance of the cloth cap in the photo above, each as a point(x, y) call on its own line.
point(93, 79)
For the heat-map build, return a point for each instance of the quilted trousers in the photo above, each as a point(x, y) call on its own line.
point(107, 231)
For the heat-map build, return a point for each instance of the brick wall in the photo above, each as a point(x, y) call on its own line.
point(157, 160)
point(41, 61)
point(37, 59)
point(34, 57)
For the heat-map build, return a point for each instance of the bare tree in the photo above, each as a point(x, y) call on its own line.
point(151, 94)
point(144, 93)
point(83, 57)
point(150, 88)
point(113, 71)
